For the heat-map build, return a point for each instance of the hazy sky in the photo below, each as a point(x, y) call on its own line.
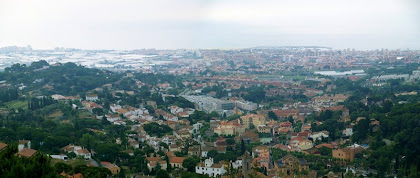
point(135, 24)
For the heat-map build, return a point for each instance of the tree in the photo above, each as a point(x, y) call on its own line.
point(63, 167)
point(71, 155)
point(97, 111)
point(164, 145)
point(162, 174)
point(212, 153)
point(154, 129)
point(272, 115)
point(190, 163)
point(243, 148)
point(88, 141)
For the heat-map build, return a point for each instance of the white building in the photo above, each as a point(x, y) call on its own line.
point(92, 97)
point(24, 144)
point(348, 132)
point(318, 135)
point(61, 156)
point(113, 117)
point(83, 153)
point(197, 126)
point(237, 164)
point(246, 105)
point(209, 168)
point(114, 107)
point(175, 110)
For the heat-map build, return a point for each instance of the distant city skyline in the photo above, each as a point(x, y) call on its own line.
point(195, 24)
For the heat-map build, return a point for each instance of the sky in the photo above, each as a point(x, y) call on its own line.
point(172, 24)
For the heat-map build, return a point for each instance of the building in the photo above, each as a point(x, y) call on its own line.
point(263, 129)
point(305, 145)
point(60, 156)
point(227, 128)
point(254, 119)
point(319, 135)
point(2, 146)
point(176, 162)
point(289, 165)
point(210, 168)
point(194, 150)
point(26, 152)
point(348, 131)
point(282, 114)
point(78, 175)
point(83, 153)
point(24, 144)
point(347, 153)
point(246, 105)
point(112, 167)
point(210, 104)
point(134, 144)
point(152, 162)
point(113, 117)
point(92, 97)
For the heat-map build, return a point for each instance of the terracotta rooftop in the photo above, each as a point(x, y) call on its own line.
point(26, 152)
point(2, 145)
point(177, 159)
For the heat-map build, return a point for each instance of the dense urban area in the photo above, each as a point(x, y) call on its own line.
point(292, 111)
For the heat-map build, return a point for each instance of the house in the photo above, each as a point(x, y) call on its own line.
point(92, 97)
point(112, 167)
point(263, 129)
point(70, 148)
point(174, 148)
point(78, 175)
point(295, 140)
point(83, 153)
point(175, 110)
point(210, 169)
point(129, 152)
point(26, 152)
point(237, 164)
point(152, 162)
point(305, 145)
point(347, 153)
point(224, 129)
point(325, 145)
point(123, 112)
point(60, 156)
point(114, 107)
point(58, 97)
point(24, 144)
point(182, 134)
point(289, 165)
point(253, 119)
point(134, 144)
point(194, 150)
point(348, 131)
point(319, 135)
point(113, 117)
point(375, 125)
point(248, 137)
point(282, 114)
point(282, 128)
point(205, 150)
point(2, 146)
point(176, 162)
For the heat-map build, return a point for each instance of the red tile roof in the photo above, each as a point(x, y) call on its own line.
point(2, 146)
point(26, 152)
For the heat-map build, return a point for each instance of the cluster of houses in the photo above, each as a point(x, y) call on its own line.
point(248, 127)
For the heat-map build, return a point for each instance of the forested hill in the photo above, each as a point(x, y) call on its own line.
point(66, 79)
